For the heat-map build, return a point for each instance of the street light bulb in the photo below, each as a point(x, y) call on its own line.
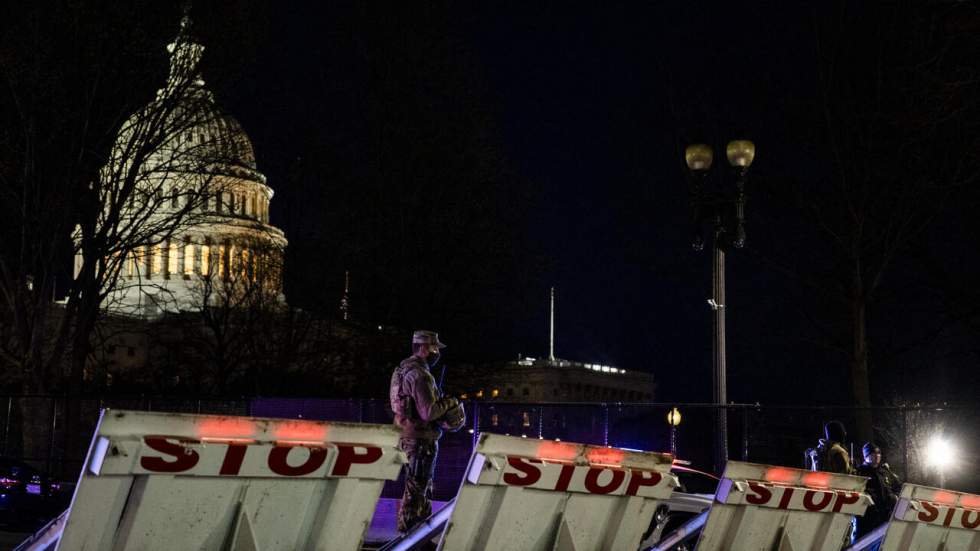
point(698, 156)
point(740, 153)
point(940, 452)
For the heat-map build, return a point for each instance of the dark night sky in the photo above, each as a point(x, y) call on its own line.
point(567, 127)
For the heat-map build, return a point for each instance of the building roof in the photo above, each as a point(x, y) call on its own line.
point(195, 131)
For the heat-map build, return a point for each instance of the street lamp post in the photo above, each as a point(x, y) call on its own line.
point(722, 209)
point(673, 419)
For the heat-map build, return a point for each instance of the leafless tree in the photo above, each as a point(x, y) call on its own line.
point(154, 182)
point(898, 113)
point(79, 178)
point(241, 326)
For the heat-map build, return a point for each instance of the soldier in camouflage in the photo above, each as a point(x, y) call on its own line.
point(421, 412)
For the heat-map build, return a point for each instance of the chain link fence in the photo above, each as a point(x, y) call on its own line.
point(53, 433)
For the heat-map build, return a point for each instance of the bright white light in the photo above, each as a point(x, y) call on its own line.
point(940, 452)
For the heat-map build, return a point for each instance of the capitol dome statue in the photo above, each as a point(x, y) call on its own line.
point(183, 196)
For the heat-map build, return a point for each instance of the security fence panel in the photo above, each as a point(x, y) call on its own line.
point(929, 519)
point(163, 481)
point(767, 507)
point(538, 495)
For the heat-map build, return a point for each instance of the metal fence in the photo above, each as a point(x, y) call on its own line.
point(53, 433)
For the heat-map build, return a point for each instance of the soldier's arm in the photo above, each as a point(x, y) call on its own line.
point(894, 481)
point(430, 407)
point(839, 462)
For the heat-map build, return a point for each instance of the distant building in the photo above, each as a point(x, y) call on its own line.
point(544, 380)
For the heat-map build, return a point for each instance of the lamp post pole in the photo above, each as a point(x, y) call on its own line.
point(724, 210)
point(720, 393)
point(673, 419)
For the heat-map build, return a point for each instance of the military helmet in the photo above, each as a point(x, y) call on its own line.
point(427, 337)
point(454, 418)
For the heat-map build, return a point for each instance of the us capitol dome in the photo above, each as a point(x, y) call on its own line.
point(200, 200)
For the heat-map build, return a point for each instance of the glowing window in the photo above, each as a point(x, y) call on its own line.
point(205, 260)
point(221, 261)
point(246, 265)
point(133, 258)
point(189, 258)
point(173, 262)
point(232, 261)
point(157, 262)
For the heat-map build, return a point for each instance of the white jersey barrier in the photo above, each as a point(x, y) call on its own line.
point(782, 509)
point(158, 481)
point(929, 519)
point(546, 495)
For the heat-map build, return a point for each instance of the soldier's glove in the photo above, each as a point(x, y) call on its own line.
point(454, 418)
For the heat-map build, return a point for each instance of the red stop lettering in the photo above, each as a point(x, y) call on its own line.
point(531, 474)
point(810, 504)
point(564, 478)
point(787, 495)
point(641, 478)
point(845, 498)
point(592, 480)
point(760, 494)
point(967, 523)
point(183, 458)
point(930, 514)
point(278, 464)
point(949, 516)
point(347, 455)
point(234, 457)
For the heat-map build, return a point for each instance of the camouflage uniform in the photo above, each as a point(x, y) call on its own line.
point(418, 408)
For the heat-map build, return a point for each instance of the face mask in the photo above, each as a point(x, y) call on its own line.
point(432, 359)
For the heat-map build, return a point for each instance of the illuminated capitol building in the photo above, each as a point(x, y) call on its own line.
point(199, 200)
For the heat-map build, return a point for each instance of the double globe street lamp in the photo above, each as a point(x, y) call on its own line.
point(720, 207)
